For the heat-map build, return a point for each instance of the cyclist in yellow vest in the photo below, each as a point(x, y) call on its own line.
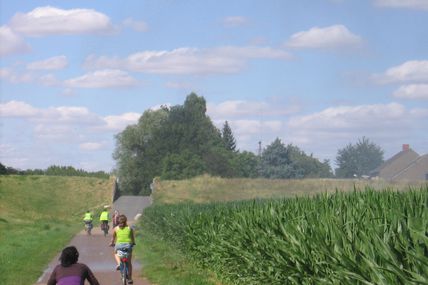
point(87, 219)
point(123, 237)
point(104, 218)
point(88, 216)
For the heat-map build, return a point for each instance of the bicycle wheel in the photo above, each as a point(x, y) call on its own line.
point(124, 273)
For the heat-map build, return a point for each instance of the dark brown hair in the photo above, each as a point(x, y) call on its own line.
point(69, 256)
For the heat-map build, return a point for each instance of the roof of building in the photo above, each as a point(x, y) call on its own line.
point(393, 159)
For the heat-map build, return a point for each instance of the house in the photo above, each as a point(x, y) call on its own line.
point(405, 165)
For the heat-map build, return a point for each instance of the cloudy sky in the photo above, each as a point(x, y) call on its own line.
point(316, 73)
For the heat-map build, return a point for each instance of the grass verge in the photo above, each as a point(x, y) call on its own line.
point(206, 189)
point(166, 265)
point(39, 215)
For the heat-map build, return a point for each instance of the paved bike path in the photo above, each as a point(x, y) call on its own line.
point(94, 250)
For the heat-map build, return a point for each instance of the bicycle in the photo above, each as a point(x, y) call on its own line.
point(105, 227)
point(88, 227)
point(123, 254)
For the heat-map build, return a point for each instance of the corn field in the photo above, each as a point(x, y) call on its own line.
point(361, 237)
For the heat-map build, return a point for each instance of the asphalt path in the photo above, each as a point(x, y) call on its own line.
point(94, 250)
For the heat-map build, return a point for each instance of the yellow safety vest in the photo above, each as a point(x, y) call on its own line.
point(88, 217)
point(123, 235)
point(104, 216)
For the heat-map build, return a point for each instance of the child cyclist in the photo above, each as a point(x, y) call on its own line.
point(123, 237)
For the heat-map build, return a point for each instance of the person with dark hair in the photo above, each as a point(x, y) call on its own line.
point(69, 272)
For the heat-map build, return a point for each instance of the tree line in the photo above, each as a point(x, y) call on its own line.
point(181, 142)
point(53, 170)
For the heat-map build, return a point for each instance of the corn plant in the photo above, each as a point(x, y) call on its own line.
point(362, 237)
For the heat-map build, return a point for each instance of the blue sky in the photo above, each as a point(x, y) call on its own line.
point(315, 73)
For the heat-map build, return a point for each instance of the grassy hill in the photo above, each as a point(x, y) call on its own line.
point(38, 216)
point(205, 189)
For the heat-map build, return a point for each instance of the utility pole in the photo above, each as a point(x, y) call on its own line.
point(260, 148)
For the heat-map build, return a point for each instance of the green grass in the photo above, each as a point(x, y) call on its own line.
point(166, 265)
point(205, 189)
point(39, 215)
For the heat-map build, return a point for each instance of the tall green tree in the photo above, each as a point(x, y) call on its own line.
point(359, 159)
point(275, 161)
point(136, 164)
point(175, 143)
point(228, 138)
point(189, 130)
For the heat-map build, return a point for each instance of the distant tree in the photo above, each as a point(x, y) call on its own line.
point(228, 138)
point(245, 164)
point(306, 166)
point(275, 160)
point(3, 169)
point(280, 161)
point(358, 159)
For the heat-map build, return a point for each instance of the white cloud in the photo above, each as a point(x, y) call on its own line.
point(121, 121)
point(388, 125)
point(410, 71)
point(4, 73)
point(412, 91)
point(53, 63)
point(49, 20)
point(139, 26)
point(29, 77)
point(11, 43)
point(102, 79)
point(17, 109)
point(188, 60)
point(178, 85)
point(235, 108)
point(421, 113)
point(413, 4)
point(52, 115)
point(90, 146)
point(49, 80)
point(12, 77)
point(246, 127)
point(234, 21)
point(350, 118)
point(332, 37)
point(66, 116)
point(67, 92)
point(72, 115)
point(59, 129)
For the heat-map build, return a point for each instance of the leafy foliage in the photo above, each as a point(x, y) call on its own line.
point(54, 170)
point(245, 164)
point(181, 142)
point(137, 162)
point(182, 166)
point(280, 161)
point(358, 159)
point(174, 143)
